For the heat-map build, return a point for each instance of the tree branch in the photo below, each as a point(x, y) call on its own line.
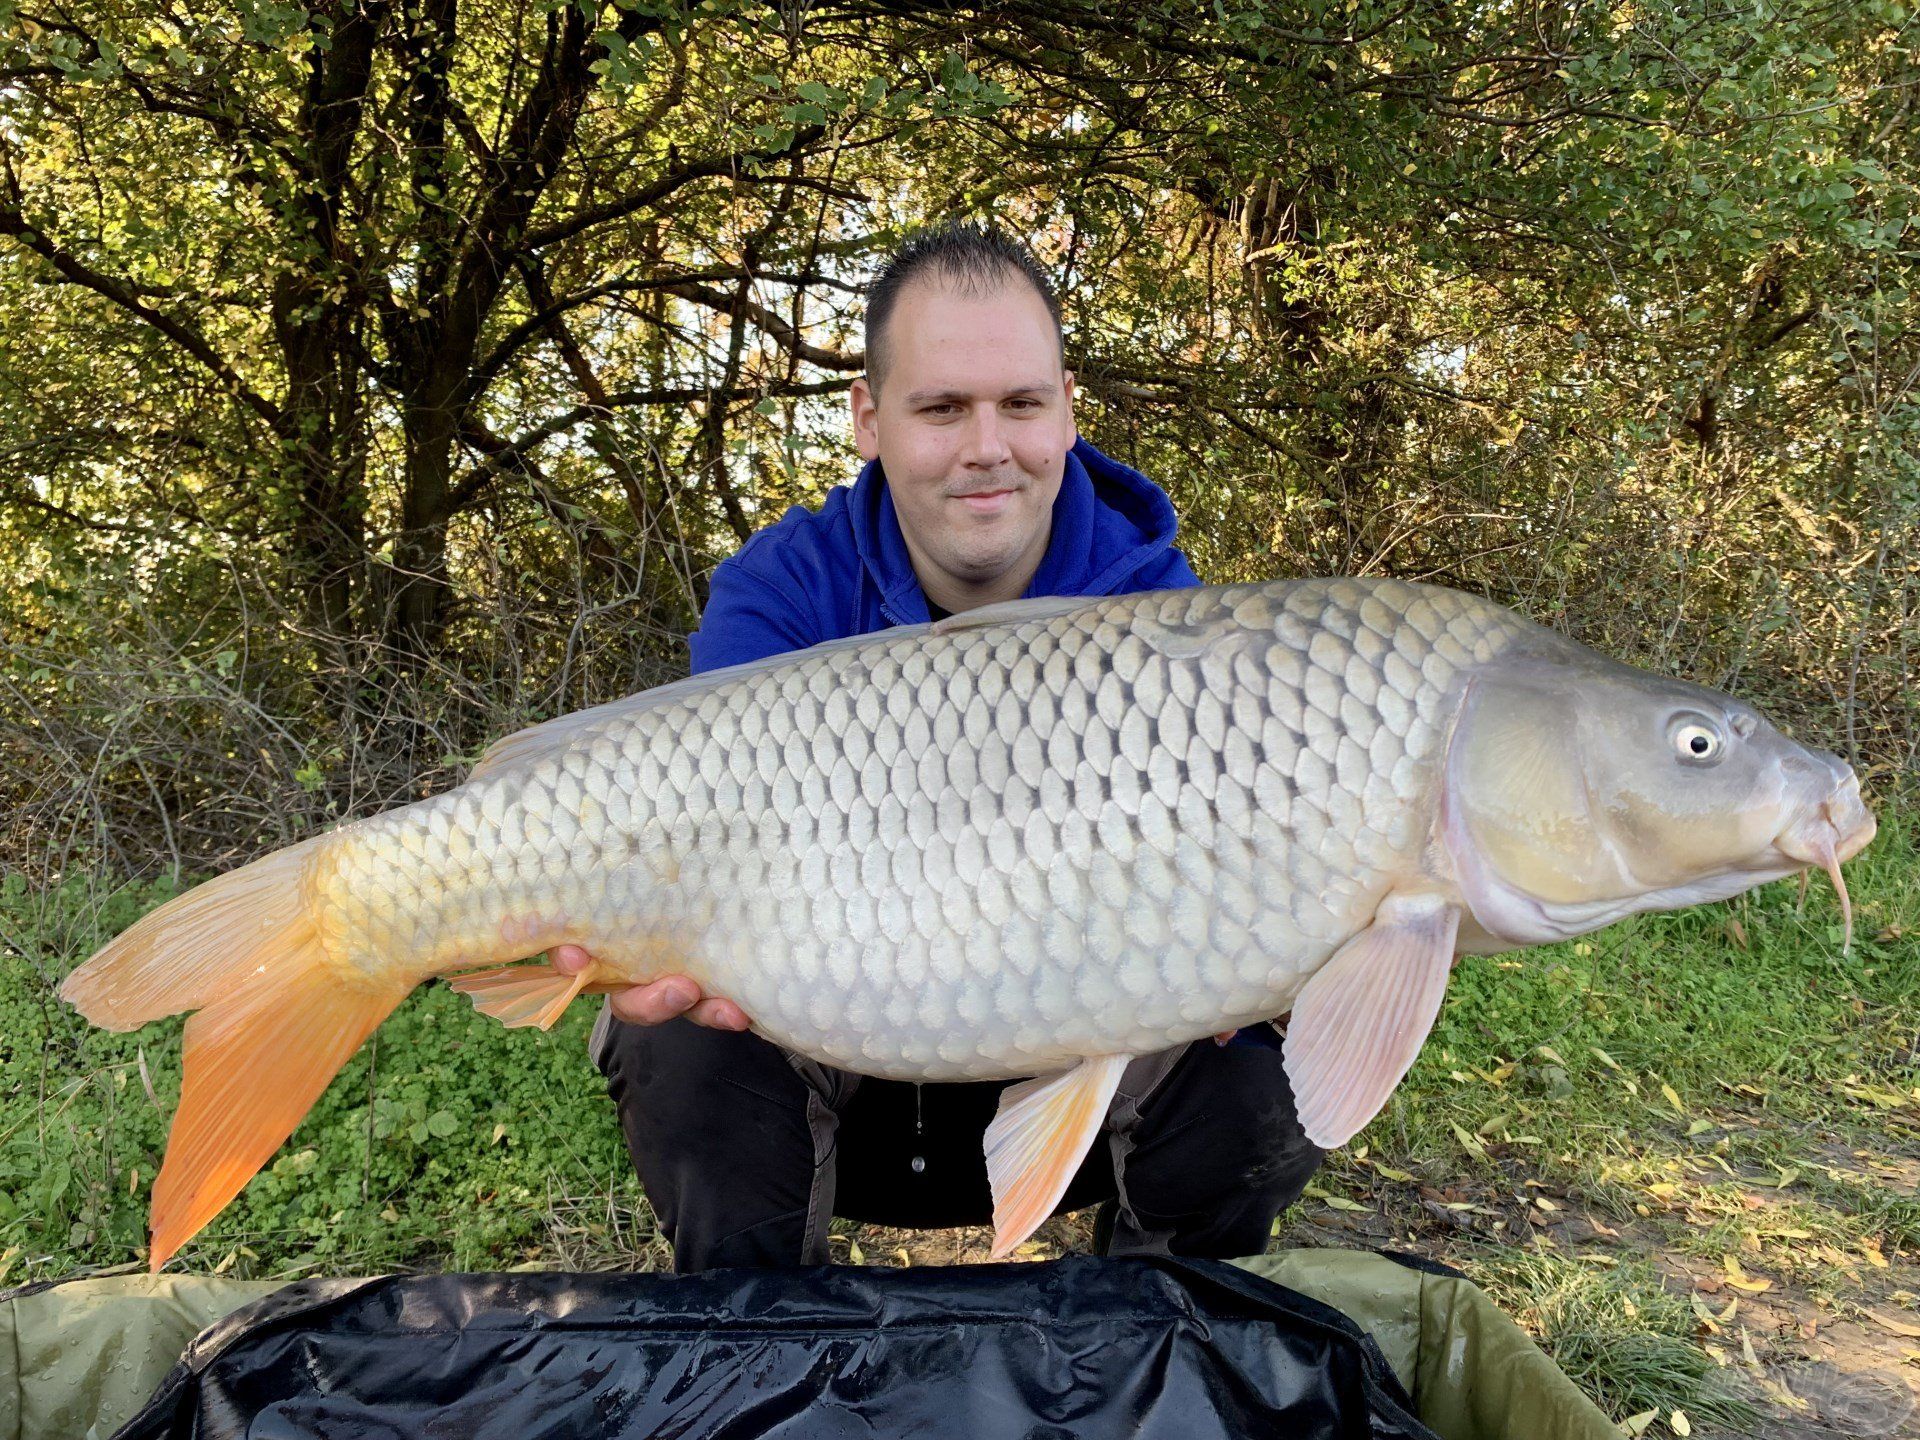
point(477, 479)
point(13, 222)
point(531, 327)
point(732, 163)
point(778, 329)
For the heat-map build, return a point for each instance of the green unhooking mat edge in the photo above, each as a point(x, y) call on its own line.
point(80, 1357)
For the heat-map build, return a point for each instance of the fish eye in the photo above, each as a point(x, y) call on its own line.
point(1697, 741)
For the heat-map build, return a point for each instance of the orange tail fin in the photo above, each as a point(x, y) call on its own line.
point(276, 1023)
point(255, 1063)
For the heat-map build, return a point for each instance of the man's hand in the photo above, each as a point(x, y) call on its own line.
point(657, 1000)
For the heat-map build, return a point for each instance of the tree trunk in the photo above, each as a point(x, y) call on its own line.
point(415, 614)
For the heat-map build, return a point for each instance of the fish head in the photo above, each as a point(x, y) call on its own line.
point(1579, 790)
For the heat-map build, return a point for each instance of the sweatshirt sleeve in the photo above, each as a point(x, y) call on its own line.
point(1167, 571)
point(746, 619)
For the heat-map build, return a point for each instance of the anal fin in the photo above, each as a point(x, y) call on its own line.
point(520, 995)
point(1360, 1021)
point(1037, 1140)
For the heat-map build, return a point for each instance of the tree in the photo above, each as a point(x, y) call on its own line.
point(441, 312)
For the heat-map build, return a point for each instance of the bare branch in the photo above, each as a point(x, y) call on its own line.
point(735, 162)
point(476, 480)
point(776, 328)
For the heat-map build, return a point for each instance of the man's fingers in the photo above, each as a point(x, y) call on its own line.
point(656, 1002)
point(659, 1000)
point(569, 959)
point(718, 1015)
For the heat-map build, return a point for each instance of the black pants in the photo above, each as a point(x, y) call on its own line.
point(746, 1151)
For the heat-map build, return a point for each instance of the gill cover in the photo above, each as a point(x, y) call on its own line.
point(1517, 809)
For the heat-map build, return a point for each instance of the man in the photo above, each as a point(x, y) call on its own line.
point(976, 490)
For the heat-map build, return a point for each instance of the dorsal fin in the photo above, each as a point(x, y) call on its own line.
point(1013, 612)
point(551, 737)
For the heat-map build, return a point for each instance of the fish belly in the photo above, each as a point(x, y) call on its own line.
point(982, 853)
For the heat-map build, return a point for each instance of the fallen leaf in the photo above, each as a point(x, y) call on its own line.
point(1703, 1314)
point(1681, 1425)
point(1472, 1145)
point(1740, 1280)
point(1898, 1327)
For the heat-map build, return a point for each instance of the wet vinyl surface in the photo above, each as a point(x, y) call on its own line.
point(1077, 1348)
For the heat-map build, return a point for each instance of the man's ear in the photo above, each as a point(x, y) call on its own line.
point(866, 419)
point(1073, 430)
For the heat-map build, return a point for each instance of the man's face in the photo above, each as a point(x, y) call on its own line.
point(972, 425)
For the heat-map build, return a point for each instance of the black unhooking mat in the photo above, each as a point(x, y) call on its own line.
point(1074, 1349)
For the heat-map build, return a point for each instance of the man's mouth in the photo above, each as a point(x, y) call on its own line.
point(986, 502)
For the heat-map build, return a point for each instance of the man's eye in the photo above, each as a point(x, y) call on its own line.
point(938, 410)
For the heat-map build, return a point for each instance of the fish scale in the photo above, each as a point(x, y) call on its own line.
point(1129, 820)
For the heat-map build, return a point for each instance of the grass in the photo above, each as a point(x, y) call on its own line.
point(447, 1143)
point(1710, 1106)
point(1619, 1334)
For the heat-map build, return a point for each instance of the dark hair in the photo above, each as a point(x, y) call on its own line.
point(973, 259)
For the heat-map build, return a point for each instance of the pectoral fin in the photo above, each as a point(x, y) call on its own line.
point(1037, 1139)
point(1360, 1021)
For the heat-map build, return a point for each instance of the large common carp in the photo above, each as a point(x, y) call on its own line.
point(1034, 840)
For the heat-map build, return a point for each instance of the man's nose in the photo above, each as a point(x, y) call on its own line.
point(986, 444)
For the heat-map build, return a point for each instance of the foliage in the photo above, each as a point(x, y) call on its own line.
point(438, 336)
point(440, 1143)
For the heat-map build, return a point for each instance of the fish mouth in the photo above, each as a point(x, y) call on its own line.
point(1833, 832)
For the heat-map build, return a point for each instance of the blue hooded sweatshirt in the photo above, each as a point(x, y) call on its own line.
point(844, 569)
